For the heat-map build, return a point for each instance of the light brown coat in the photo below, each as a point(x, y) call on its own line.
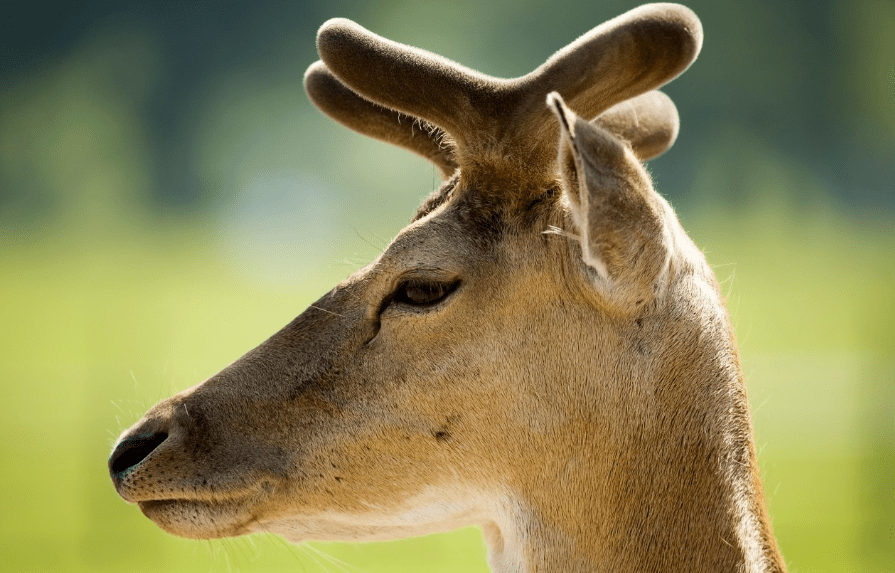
point(542, 351)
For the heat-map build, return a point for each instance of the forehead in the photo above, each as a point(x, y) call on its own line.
point(467, 221)
point(439, 239)
point(453, 229)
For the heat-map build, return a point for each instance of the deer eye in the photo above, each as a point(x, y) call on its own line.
point(422, 294)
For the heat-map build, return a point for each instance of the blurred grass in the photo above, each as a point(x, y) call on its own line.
point(96, 326)
point(105, 309)
point(116, 291)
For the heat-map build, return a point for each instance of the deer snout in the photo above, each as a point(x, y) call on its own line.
point(142, 446)
point(131, 451)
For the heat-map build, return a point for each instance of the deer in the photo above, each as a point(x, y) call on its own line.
point(542, 352)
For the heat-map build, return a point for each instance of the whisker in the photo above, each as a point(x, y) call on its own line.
point(290, 547)
point(364, 239)
point(328, 311)
point(347, 567)
point(304, 548)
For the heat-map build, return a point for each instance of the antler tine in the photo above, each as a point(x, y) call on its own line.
point(407, 79)
point(638, 51)
point(649, 122)
point(336, 100)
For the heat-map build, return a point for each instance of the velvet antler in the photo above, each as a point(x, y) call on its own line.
point(340, 103)
point(499, 124)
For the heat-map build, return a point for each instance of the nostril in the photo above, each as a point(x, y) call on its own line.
point(132, 451)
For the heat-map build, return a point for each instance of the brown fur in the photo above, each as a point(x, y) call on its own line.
point(573, 384)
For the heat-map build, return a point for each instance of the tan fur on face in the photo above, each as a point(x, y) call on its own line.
point(573, 387)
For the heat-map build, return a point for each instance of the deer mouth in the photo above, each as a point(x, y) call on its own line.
point(200, 519)
point(184, 503)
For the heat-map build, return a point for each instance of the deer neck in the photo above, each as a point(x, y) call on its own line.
point(673, 486)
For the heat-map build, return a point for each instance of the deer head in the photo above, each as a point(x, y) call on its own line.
point(542, 351)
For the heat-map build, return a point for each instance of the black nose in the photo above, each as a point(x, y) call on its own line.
point(131, 451)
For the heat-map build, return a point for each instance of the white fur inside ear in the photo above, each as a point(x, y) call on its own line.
point(578, 210)
point(577, 201)
point(594, 261)
point(589, 254)
point(565, 116)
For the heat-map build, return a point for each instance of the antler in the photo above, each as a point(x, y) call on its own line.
point(340, 103)
point(504, 124)
point(649, 122)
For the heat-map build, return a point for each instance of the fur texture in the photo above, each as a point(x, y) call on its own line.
point(542, 351)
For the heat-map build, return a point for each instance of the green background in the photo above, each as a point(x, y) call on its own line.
point(169, 198)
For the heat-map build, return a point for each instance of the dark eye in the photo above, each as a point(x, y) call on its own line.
point(420, 293)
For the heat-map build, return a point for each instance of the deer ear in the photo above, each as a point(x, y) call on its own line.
point(619, 219)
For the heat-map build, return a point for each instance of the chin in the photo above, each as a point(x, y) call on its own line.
point(198, 519)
